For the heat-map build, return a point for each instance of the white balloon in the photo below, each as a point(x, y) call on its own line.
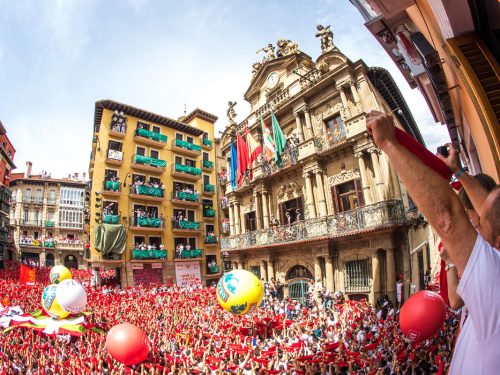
point(71, 296)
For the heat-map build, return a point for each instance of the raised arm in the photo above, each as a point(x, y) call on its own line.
point(431, 193)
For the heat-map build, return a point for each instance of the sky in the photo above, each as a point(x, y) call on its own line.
point(58, 57)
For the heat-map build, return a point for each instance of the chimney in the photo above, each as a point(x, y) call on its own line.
point(27, 174)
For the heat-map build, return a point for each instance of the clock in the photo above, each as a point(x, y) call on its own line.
point(272, 80)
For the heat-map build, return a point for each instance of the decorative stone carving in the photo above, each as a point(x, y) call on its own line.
point(289, 191)
point(346, 175)
point(330, 111)
point(269, 50)
point(286, 47)
point(323, 67)
point(256, 67)
point(326, 36)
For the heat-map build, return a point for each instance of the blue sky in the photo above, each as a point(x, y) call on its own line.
point(57, 57)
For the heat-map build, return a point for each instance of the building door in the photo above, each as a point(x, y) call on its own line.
point(49, 260)
point(297, 290)
point(70, 261)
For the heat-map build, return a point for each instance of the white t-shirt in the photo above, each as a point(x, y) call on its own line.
point(477, 350)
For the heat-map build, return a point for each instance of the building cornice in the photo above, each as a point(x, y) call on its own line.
point(201, 114)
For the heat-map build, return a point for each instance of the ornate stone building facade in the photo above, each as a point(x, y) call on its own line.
point(334, 211)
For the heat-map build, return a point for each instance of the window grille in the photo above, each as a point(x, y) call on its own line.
point(357, 276)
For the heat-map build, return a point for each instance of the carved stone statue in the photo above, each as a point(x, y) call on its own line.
point(326, 36)
point(286, 47)
point(269, 50)
point(256, 67)
point(231, 114)
point(292, 144)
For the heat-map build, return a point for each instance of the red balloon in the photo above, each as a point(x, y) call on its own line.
point(127, 344)
point(422, 316)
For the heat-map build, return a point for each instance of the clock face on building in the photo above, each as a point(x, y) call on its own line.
point(272, 79)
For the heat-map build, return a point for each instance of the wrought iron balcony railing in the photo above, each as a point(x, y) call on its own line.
point(186, 169)
point(187, 145)
point(149, 254)
point(185, 196)
point(208, 188)
point(109, 185)
point(148, 222)
point(187, 254)
point(207, 142)
point(145, 160)
point(363, 218)
point(208, 164)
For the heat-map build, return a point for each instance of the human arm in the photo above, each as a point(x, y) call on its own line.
point(430, 191)
point(452, 280)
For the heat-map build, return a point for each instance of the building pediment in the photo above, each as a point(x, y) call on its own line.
point(279, 65)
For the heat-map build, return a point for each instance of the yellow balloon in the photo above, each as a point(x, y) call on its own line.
point(50, 304)
point(59, 273)
point(239, 292)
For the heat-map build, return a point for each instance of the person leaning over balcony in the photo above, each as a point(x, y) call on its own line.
point(474, 254)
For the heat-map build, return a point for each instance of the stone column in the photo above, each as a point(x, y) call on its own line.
point(243, 227)
point(317, 269)
point(236, 215)
point(309, 197)
point(375, 277)
point(364, 180)
point(329, 273)
point(240, 265)
point(391, 274)
point(231, 219)
point(263, 275)
point(378, 175)
point(300, 132)
point(265, 209)
point(258, 210)
point(355, 96)
point(309, 127)
point(270, 269)
point(322, 197)
point(345, 104)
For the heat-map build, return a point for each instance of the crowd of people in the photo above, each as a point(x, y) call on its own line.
point(151, 183)
point(190, 334)
point(152, 246)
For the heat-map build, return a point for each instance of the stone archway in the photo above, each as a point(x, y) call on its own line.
point(49, 260)
point(70, 261)
point(298, 279)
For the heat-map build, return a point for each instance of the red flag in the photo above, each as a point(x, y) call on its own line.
point(242, 150)
point(28, 275)
point(443, 281)
point(254, 150)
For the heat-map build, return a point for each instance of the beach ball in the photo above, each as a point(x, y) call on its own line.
point(422, 316)
point(127, 343)
point(50, 303)
point(239, 292)
point(71, 296)
point(58, 274)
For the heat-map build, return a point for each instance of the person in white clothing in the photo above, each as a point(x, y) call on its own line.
point(474, 254)
point(399, 292)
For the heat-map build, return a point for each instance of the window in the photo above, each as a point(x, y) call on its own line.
point(141, 151)
point(205, 156)
point(205, 135)
point(110, 173)
point(178, 160)
point(154, 180)
point(209, 228)
point(110, 208)
point(26, 216)
point(70, 217)
point(190, 163)
point(138, 177)
point(142, 125)
point(178, 136)
point(115, 146)
point(335, 129)
point(138, 207)
point(156, 129)
point(192, 242)
point(357, 276)
point(206, 179)
point(250, 221)
point(255, 270)
point(71, 197)
point(348, 196)
point(290, 210)
point(39, 194)
point(27, 193)
point(156, 241)
point(35, 235)
point(37, 216)
point(138, 240)
point(189, 139)
point(154, 154)
point(190, 215)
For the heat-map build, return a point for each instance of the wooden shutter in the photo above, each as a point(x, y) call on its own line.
point(359, 192)
point(282, 209)
point(335, 199)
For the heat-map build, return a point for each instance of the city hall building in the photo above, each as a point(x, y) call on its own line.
point(334, 210)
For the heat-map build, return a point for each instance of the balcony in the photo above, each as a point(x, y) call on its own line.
point(150, 138)
point(30, 242)
point(223, 179)
point(37, 200)
point(208, 189)
point(207, 143)
point(111, 188)
point(224, 203)
point(186, 172)
point(68, 244)
point(214, 269)
point(26, 198)
point(148, 254)
point(31, 223)
point(146, 224)
point(190, 254)
point(209, 213)
point(117, 130)
point(185, 226)
point(379, 215)
point(148, 193)
point(210, 241)
point(208, 165)
point(50, 224)
point(51, 201)
point(186, 148)
point(114, 157)
point(182, 198)
point(111, 219)
point(50, 244)
point(145, 163)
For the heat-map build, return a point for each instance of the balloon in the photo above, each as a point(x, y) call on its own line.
point(239, 292)
point(127, 344)
point(422, 316)
point(71, 296)
point(59, 273)
point(50, 303)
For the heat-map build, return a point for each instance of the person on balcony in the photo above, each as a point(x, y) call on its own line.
point(274, 222)
point(298, 215)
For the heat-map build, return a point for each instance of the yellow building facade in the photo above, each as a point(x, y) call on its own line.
point(152, 196)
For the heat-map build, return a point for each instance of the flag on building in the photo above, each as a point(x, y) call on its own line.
point(254, 150)
point(28, 275)
point(242, 151)
point(267, 139)
point(279, 139)
point(234, 165)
